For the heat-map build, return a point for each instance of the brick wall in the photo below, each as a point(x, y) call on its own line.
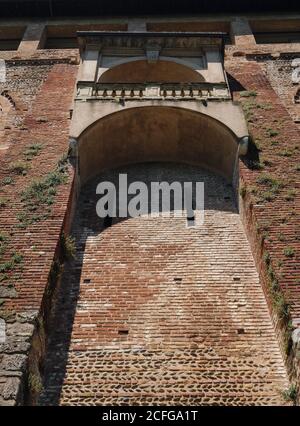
point(37, 140)
point(38, 94)
point(154, 312)
point(270, 188)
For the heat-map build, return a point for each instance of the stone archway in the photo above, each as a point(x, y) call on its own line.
point(147, 134)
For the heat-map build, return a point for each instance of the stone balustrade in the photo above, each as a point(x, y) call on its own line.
point(134, 91)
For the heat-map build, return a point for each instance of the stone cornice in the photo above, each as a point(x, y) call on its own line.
point(100, 40)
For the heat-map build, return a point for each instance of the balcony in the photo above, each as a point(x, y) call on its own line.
point(87, 91)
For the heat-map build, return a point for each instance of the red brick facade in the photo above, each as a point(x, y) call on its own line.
point(34, 131)
point(44, 122)
point(271, 215)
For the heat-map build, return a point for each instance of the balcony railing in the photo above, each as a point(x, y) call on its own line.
point(163, 91)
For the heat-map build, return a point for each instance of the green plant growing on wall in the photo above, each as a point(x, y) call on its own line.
point(268, 195)
point(3, 201)
point(19, 167)
point(272, 133)
point(269, 181)
point(11, 262)
point(290, 196)
point(290, 394)
point(279, 303)
point(266, 107)
point(248, 93)
point(40, 195)
point(8, 180)
point(273, 185)
point(286, 153)
point(9, 265)
point(289, 252)
point(32, 151)
point(248, 108)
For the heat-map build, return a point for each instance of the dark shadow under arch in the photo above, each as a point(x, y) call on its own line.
point(144, 134)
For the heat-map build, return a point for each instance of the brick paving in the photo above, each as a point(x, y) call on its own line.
point(153, 312)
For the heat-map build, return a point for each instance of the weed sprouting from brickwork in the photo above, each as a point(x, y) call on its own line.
point(272, 133)
point(269, 181)
point(273, 186)
point(32, 151)
point(280, 305)
point(289, 252)
point(7, 180)
point(3, 201)
point(286, 153)
point(290, 196)
point(248, 94)
point(19, 167)
point(38, 198)
point(8, 262)
point(290, 394)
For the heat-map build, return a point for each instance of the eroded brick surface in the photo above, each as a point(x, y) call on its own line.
point(153, 312)
point(40, 97)
point(275, 218)
point(279, 73)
